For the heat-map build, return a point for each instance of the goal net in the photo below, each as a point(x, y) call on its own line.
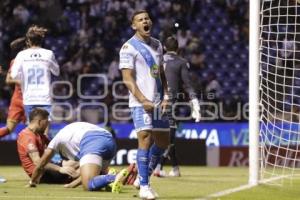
point(279, 89)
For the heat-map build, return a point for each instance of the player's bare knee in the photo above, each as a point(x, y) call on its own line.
point(144, 139)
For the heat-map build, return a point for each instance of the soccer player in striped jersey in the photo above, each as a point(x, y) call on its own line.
point(141, 65)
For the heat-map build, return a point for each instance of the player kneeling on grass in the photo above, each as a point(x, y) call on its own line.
point(31, 146)
point(92, 146)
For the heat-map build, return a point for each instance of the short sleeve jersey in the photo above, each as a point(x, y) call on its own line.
point(28, 142)
point(67, 140)
point(33, 67)
point(130, 58)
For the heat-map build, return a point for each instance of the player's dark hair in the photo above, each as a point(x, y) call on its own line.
point(38, 113)
point(171, 44)
point(17, 45)
point(35, 35)
point(137, 13)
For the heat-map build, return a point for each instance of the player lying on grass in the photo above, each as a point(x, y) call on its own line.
point(31, 145)
point(92, 146)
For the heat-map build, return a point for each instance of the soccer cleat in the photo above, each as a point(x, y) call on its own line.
point(146, 192)
point(159, 173)
point(116, 186)
point(112, 171)
point(136, 183)
point(174, 172)
point(2, 179)
point(153, 192)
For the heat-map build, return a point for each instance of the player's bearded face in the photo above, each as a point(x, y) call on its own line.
point(142, 24)
point(42, 126)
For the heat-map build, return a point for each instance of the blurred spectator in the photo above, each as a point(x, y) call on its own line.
point(21, 14)
point(183, 37)
point(113, 70)
point(197, 60)
point(213, 86)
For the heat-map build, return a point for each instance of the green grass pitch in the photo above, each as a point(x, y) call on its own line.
point(195, 183)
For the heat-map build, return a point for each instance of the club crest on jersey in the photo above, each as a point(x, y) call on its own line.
point(155, 71)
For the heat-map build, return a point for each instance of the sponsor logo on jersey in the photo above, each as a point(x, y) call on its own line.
point(35, 55)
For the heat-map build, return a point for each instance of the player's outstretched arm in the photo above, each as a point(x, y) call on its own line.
point(195, 104)
point(39, 169)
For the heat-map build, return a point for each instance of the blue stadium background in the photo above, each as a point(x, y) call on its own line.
point(86, 36)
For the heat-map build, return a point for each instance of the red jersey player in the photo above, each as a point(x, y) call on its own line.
point(31, 144)
point(16, 112)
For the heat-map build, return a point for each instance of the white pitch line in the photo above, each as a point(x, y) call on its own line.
point(240, 188)
point(61, 197)
point(226, 192)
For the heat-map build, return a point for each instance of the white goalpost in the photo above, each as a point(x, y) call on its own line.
point(253, 91)
point(274, 86)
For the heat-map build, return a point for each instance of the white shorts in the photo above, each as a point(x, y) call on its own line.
point(94, 159)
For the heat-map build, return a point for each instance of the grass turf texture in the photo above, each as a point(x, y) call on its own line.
point(195, 183)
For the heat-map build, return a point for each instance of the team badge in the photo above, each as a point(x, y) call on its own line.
point(31, 147)
point(155, 71)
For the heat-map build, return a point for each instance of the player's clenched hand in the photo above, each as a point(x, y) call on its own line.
point(30, 184)
point(148, 106)
point(164, 105)
point(68, 170)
